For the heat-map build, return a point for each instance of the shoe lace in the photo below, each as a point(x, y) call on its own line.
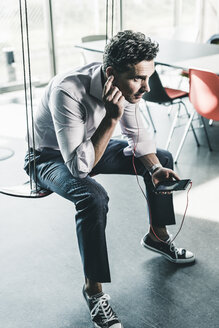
point(103, 309)
point(173, 248)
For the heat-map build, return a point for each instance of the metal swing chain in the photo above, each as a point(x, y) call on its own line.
point(107, 19)
point(112, 19)
point(107, 12)
point(30, 91)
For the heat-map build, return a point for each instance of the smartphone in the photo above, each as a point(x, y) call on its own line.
point(169, 185)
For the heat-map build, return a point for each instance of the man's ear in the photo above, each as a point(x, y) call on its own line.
point(109, 71)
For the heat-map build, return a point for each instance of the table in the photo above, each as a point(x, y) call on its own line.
point(209, 63)
point(175, 53)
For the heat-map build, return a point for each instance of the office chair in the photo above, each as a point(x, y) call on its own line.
point(214, 39)
point(92, 56)
point(204, 96)
point(167, 96)
point(93, 37)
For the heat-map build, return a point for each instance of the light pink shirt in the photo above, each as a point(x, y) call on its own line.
point(70, 112)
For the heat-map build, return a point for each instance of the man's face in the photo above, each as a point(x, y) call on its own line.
point(134, 82)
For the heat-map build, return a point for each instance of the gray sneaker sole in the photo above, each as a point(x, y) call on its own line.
point(96, 326)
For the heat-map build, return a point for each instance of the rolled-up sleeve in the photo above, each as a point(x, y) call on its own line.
point(138, 132)
point(69, 118)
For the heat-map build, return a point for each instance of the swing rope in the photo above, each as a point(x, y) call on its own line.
point(25, 84)
point(112, 18)
point(29, 189)
point(34, 177)
point(107, 11)
point(107, 19)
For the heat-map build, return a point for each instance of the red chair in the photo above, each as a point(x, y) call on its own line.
point(204, 96)
point(167, 96)
point(214, 39)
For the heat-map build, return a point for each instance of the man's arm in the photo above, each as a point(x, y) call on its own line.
point(101, 137)
point(69, 118)
point(159, 174)
point(81, 155)
point(114, 105)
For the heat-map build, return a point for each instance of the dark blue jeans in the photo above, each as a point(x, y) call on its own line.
point(91, 200)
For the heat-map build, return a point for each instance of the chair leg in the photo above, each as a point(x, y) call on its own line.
point(186, 109)
point(206, 133)
point(149, 114)
point(193, 130)
point(170, 110)
point(195, 136)
point(172, 128)
point(184, 136)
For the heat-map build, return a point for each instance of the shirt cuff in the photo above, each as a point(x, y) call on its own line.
point(82, 162)
point(85, 155)
point(142, 149)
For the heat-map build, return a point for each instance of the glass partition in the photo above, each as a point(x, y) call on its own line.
point(10, 43)
point(150, 17)
point(76, 19)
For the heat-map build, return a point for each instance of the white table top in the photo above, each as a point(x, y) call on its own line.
point(208, 63)
point(176, 53)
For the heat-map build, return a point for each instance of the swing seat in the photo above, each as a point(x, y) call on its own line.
point(25, 191)
point(5, 153)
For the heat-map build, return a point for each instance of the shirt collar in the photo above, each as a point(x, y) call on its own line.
point(96, 87)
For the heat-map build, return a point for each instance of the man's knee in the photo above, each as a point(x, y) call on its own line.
point(98, 200)
point(165, 158)
point(93, 202)
point(169, 159)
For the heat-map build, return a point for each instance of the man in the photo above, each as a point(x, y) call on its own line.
point(73, 129)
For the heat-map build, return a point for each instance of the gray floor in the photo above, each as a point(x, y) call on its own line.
point(41, 275)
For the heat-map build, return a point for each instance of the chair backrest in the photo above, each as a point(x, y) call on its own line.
point(94, 37)
point(204, 93)
point(92, 56)
point(157, 93)
point(214, 39)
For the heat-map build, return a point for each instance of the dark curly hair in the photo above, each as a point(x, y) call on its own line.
point(128, 48)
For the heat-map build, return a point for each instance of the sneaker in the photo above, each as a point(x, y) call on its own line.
point(168, 250)
point(101, 312)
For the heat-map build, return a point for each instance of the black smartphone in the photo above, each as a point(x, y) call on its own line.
point(167, 186)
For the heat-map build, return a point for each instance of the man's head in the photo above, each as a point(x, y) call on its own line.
point(129, 56)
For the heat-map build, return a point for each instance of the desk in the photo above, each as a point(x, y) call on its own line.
point(174, 53)
point(208, 63)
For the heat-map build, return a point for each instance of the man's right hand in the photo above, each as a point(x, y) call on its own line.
point(113, 99)
point(164, 174)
